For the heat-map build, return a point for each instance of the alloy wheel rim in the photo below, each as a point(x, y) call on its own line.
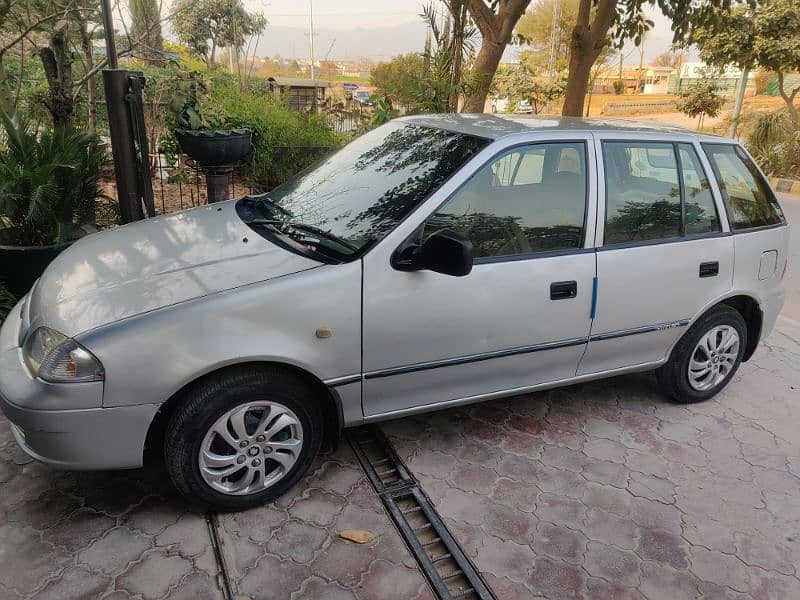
point(713, 358)
point(250, 448)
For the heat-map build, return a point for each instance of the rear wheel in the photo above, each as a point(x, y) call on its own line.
point(242, 438)
point(706, 357)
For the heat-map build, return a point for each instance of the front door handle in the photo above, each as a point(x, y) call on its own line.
point(709, 269)
point(561, 290)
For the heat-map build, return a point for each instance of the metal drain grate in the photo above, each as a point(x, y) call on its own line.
point(447, 568)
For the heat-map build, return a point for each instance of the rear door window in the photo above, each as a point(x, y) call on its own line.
point(700, 211)
point(643, 199)
point(656, 191)
point(748, 198)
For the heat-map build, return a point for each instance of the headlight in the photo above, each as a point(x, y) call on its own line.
point(55, 357)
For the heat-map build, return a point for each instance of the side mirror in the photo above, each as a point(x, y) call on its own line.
point(444, 251)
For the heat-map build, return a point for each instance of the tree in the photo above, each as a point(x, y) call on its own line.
point(766, 36)
point(669, 59)
point(601, 20)
point(396, 78)
point(205, 25)
point(518, 82)
point(700, 100)
point(535, 29)
point(496, 20)
point(146, 26)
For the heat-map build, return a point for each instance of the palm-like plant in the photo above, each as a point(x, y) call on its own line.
point(48, 184)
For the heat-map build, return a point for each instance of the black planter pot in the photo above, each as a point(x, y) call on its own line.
point(20, 266)
point(214, 148)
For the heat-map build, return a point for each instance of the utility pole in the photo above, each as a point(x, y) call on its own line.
point(554, 31)
point(311, 38)
point(737, 107)
point(641, 65)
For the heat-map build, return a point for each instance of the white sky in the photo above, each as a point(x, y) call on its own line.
point(351, 15)
point(338, 14)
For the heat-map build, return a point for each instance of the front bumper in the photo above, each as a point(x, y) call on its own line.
point(84, 439)
point(64, 424)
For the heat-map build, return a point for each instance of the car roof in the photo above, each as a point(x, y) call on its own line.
point(495, 126)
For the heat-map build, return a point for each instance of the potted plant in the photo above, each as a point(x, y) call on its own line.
point(48, 190)
point(197, 135)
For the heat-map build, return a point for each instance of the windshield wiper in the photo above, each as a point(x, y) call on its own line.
point(324, 234)
point(262, 200)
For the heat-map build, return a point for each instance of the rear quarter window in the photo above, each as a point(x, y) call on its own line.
point(748, 198)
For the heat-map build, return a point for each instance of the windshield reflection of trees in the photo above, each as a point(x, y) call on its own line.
point(361, 194)
point(423, 158)
point(654, 220)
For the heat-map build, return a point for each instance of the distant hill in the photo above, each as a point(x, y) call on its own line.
point(377, 43)
point(381, 43)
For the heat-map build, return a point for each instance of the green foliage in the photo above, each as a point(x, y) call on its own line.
point(7, 302)
point(383, 112)
point(767, 37)
point(518, 82)
point(619, 86)
point(430, 82)
point(48, 184)
point(284, 142)
point(775, 144)
point(398, 77)
point(535, 28)
point(701, 100)
point(188, 103)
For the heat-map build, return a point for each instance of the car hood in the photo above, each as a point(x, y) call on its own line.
point(143, 266)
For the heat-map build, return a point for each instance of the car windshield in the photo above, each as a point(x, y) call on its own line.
point(353, 198)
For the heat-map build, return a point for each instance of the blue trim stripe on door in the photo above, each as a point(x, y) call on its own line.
point(594, 298)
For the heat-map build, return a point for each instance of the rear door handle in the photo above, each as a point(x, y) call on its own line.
point(709, 269)
point(561, 290)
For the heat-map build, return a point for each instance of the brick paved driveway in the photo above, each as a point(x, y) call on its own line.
point(598, 490)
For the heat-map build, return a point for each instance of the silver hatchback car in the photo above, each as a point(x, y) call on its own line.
point(432, 262)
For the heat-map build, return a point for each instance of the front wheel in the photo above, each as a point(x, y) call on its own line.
point(706, 357)
point(242, 438)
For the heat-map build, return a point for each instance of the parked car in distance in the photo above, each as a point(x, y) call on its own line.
point(363, 97)
point(432, 262)
point(524, 107)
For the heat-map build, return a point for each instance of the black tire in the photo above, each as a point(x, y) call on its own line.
point(208, 401)
point(673, 376)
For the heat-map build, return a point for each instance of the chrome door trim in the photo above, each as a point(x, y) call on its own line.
point(344, 380)
point(610, 335)
point(462, 360)
point(511, 392)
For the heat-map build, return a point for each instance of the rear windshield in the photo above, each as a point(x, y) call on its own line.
point(748, 198)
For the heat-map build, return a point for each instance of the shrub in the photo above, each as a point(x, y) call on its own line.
point(48, 184)
point(775, 144)
point(284, 142)
point(7, 302)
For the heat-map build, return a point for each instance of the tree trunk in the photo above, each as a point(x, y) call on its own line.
point(57, 64)
point(86, 47)
point(212, 58)
point(788, 98)
point(482, 73)
point(7, 104)
point(496, 31)
point(581, 60)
